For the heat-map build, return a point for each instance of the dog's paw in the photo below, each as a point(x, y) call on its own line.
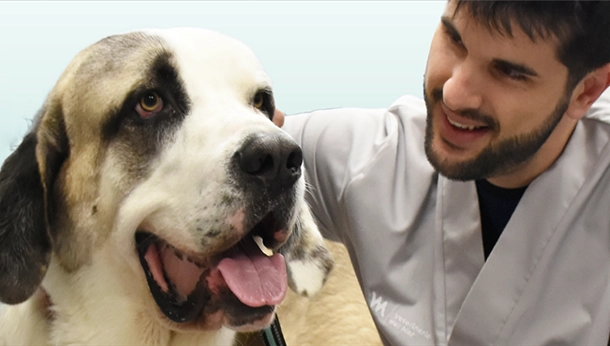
point(308, 260)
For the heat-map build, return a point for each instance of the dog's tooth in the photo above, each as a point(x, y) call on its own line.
point(259, 241)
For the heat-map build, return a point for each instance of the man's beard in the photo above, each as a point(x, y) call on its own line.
point(496, 159)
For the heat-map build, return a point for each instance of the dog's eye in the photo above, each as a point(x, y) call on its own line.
point(149, 104)
point(258, 100)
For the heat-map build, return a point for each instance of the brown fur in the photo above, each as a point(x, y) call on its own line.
point(69, 140)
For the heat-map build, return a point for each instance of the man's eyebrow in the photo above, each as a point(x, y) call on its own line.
point(451, 29)
point(503, 64)
point(506, 65)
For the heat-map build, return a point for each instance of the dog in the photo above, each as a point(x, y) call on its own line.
point(154, 201)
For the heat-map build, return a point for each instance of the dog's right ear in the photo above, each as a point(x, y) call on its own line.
point(25, 186)
point(25, 244)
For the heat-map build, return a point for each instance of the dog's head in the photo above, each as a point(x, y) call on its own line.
point(155, 154)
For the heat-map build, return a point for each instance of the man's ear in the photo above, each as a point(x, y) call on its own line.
point(25, 186)
point(587, 91)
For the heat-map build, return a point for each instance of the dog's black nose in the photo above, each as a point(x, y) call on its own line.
point(273, 160)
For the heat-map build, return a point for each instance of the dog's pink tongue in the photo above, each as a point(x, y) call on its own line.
point(256, 280)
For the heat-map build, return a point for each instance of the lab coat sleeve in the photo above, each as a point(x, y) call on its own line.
point(337, 144)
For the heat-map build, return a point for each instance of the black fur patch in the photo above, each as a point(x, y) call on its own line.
point(141, 139)
point(25, 244)
point(268, 107)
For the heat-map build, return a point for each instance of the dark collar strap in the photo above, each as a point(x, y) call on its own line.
point(273, 334)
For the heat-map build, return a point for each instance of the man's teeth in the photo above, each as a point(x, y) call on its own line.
point(462, 126)
point(259, 241)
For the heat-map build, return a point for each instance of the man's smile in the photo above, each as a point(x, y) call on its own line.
point(458, 131)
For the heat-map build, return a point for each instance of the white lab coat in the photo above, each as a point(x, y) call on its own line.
point(415, 237)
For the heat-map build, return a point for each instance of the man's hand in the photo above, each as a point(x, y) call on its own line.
point(278, 118)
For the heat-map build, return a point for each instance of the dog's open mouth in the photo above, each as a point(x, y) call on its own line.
point(184, 286)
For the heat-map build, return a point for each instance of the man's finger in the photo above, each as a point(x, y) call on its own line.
point(278, 118)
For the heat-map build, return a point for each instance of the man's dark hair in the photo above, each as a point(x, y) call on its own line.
point(582, 28)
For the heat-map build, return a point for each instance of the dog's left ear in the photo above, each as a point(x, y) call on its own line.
point(25, 186)
point(308, 260)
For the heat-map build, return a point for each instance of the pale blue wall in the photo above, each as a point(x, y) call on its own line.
point(319, 54)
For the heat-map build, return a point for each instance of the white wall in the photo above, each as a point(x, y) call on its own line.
point(320, 54)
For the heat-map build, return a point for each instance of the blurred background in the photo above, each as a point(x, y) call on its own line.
point(320, 54)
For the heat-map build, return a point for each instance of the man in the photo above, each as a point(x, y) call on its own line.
point(507, 153)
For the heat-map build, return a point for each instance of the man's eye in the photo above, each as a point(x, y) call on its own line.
point(512, 73)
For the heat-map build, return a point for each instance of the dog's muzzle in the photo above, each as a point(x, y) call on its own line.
point(238, 278)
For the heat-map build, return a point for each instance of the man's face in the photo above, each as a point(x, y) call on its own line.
point(493, 100)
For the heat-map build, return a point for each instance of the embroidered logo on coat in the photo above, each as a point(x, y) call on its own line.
point(379, 304)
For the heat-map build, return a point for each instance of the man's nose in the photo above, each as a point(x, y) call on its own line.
point(463, 90)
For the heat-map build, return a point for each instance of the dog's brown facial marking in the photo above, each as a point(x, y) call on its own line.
point(67, 149)
point(74, 144)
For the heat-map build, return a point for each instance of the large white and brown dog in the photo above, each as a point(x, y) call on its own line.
point(136, 210)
